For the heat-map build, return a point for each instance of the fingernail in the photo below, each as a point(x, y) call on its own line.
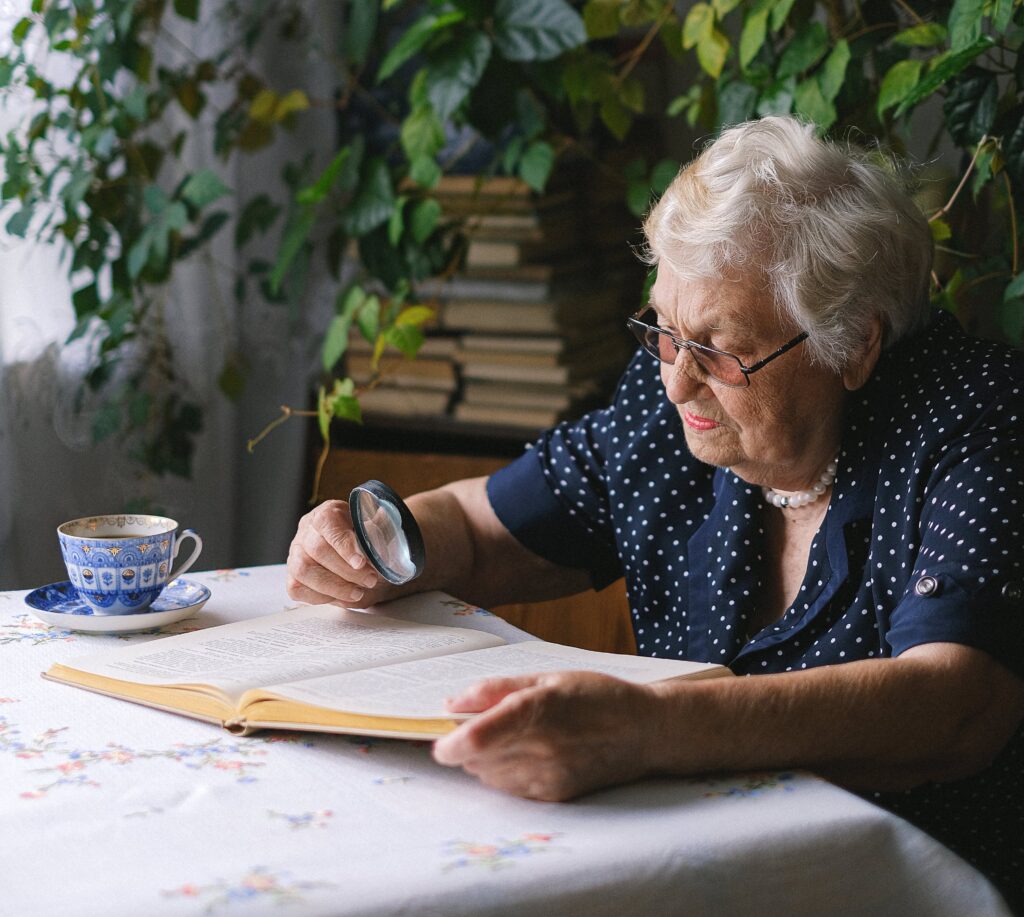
point(357, 561)
point(356, 595)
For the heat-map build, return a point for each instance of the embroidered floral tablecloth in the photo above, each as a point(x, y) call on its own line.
point(109, 808)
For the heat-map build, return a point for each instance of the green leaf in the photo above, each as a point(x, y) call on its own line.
point(187, 9)
point(712, 52)
point(138, 254)
point(1015, 289)
point(698, 25)
point(925, 35)
point(1013, 144)
point(804, 50)
point(422, 133)
point(203, 188)
point(295, 236)
point(18, 224)
point(415, 315)
point(361, 27)
point(350, 302)
point(940, 230)
point(897, 84)
point(231, 380)
point(809, 101)
point(536, 30)
point(155, 198)
point(1002, 16)
point(257, 216)
point(423, 219)
point(323, 415)
point(455, 71)
point(407, 338)
point(736, 102)
point(943, 70)
point(780, 13)
point(335, 341)
point(601, 18)
point(373, 202)
point(755, 30)
point(368, 318)
point(316, 192)
point(778, 99)
point(106, 422)
point(970, 106)
point(21, 30)
point(965, 23)
point(342, 403)
point(536, 163)
point(833, 71)
point(294, 101)
point(413, 40)
point(724, 7)
point(86, 300)
point(662, 175)
point(424, 171)
point(396, 223)
point(1011, 319)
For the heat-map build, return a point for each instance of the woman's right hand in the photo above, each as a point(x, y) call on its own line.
point(326, 565)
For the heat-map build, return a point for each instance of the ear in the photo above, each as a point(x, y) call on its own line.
point(862, 364)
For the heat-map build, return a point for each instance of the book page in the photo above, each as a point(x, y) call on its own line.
point(290, 645)
point(419, 688)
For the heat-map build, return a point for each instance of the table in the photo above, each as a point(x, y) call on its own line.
point(110, 808)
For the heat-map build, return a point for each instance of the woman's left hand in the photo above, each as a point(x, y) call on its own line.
point(552, 736)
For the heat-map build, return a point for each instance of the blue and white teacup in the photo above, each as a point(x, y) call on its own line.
point(120, 564)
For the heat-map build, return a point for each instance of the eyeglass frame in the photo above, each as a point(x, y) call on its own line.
point(639, 330)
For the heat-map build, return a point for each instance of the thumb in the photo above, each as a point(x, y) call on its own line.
point(487, 693)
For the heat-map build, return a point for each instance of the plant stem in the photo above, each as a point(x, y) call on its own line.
point(639, 51)
point(287, 412)
point(1013, 224)
point(942, 211)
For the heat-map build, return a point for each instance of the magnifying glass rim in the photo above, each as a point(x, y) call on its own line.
point(410, 529)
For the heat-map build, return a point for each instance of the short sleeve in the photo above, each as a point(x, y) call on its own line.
point(967, 585)
point(554, 498)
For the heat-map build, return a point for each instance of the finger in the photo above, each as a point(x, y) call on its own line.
point(333, 521)
point(304, 571)
point(498, 726)
point(316, 547)
point(487, 693)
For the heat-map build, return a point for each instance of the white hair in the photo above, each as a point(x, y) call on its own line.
point(830, 231)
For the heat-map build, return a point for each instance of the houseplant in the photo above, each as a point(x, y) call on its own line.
point(419, 85)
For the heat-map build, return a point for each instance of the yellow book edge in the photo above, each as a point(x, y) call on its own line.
point(257, 709)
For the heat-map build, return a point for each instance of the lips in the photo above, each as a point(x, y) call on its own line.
point(697, 422)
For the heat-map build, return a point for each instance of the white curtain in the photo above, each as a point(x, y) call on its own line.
point(245, 506)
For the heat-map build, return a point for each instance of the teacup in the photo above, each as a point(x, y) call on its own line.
point(120, 563)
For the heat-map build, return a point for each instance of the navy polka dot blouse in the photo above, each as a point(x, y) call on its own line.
point(921, 543)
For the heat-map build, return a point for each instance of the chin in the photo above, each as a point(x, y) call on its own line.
point(721, 451)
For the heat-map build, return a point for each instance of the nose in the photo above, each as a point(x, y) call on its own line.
point(684, 380)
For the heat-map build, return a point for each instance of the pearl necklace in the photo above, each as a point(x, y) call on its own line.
point(804, 497)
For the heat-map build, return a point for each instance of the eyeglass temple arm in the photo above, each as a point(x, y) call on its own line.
point(789, 345)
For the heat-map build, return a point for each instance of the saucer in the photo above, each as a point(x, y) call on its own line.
point(60, 605)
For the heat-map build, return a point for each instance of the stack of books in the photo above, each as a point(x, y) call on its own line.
point(539, 304)
point(422, 387)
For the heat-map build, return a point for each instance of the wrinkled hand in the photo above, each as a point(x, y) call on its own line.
point(325, 563)
point(552, 736)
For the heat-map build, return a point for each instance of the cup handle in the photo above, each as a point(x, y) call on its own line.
point(186, 533)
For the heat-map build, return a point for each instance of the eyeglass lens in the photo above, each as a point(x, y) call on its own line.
point(721, 366)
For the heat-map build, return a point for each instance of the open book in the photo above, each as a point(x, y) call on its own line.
point(330, 669)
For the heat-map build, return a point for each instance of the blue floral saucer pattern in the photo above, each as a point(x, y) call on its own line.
point(60, 604)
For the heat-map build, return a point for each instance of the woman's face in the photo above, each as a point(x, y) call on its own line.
point(781, 430)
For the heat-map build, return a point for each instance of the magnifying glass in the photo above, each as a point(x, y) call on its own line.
point(387, 532)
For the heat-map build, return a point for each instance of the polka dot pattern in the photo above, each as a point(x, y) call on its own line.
point(930, 487)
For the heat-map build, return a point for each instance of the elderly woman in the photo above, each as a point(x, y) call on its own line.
point(806, 474)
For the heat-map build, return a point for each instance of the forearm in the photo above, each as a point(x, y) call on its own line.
point(470, 554)
point(871, 724)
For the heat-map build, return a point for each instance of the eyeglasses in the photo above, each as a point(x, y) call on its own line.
point(719, 365)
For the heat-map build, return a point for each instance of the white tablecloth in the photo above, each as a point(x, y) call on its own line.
point(111, 808)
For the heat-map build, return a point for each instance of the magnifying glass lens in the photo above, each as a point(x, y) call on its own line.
point(387, 532)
